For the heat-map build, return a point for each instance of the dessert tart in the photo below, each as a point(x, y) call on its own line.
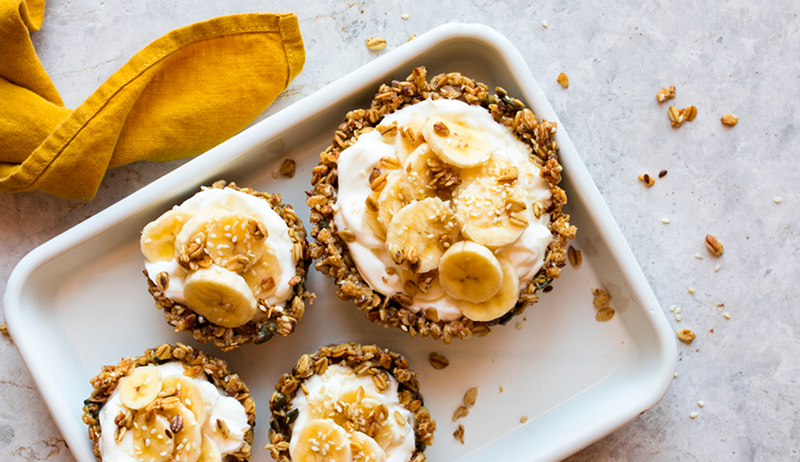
point(170, 404)
point(437, 210)
point(349, 403)
point(229, 265)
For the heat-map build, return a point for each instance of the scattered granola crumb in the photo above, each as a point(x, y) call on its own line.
point(523, 419)
point(412, 37)
point(729, 120)
point(698, 256)
point(689, 113)
point(574, 256)
point(714, 245)
point(686, 335)
point(287, 168)
point(693, 415)
point(544, 23)
point(470, 396)
point(672, 308)
point(675, 116)
point(726, 315)
point(459, 434)
point(675, 375)
point(462, 411)
point(604, 314)
point(601, 297)
point(438, 361)
point(691, 290)
point(519, 326)
point(502, 389)
point(677, 317)
point(665, 93)
point(777, 200)
point(647, 179)
point(3, 329)
point(662, 173)
point(716, 268)
point(376, 43)
point(275, 173)
point(665, 220)
point(563, 80)
point(701, 403)
point(404, 16)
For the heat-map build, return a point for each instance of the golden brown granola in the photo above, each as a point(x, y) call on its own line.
point(195, 362)
point(185, 320)
point(331, 253)
point(714, 245)
point(438, 361)
point(665, 93)
point(364, 360)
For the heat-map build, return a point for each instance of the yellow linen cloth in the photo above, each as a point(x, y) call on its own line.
point(181, 95)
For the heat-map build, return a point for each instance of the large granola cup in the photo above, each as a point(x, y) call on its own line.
point(366, 361)
point(183, 319)
point(195, 363)
point(330, 250)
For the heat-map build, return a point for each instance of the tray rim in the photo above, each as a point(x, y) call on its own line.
point(195, 173)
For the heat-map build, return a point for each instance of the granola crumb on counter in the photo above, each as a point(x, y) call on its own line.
point(689, 113)
point(662, 173)
point(686, 335)
point(714, 245)
point(287, 168)
point(461, 411)
point(698, 256)
point(729, 120)
point(574, 257)
point(376, 43)
point(665, 93)
point(519, 326)
point(691, 290)
point(404, 16)
point(677, 317)
point(701, 403)
point(647, 179)
point(693, 415)
point(438, 361)
point(675, 116)
point(523, 419)
point(601, 297)
point(544, 23)
point(665, 220)
point(563, 80)
point(459, 434)
point(604, 314)
point(470, 396)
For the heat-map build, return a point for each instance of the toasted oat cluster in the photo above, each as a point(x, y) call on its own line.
point(229, 265)
point(349, 402)
point(171, 403)
point(449, 208)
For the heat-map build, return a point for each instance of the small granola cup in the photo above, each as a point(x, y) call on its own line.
point(174, 402)
point(229, 265)
point(395, 304)
point(364, 398)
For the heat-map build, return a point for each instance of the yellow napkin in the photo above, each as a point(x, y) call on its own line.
point(181, 95)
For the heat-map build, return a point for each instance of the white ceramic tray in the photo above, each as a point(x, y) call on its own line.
point(80, 301)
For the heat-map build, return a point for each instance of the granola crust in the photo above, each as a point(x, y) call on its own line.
point(184, 319)
point(365, 360)
point(195, 361)
point(331, 253)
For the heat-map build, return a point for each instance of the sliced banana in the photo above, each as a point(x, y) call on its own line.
point(366, 449)
point(209, 452)
point(220, 295)
point(455, 143)
point(188, 439)
point(469, 271)
point(404, 145)
point(196, 229)
point(322, 440)
point(418, 172)
point(395, 195)
point(504, 300)
point(152, 438)
point(141, 387)
point(420, 232)
point(234, 234)
point(371, 213)
point(158, 237)
point(190, 395)
point(264, 276)
point(427, 284)
point(491, 213)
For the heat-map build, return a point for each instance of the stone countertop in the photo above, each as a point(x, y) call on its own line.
point(732, 57)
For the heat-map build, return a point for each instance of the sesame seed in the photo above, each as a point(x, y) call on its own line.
point(227, 228)
point(179, 218)
point(404, 16)
point(677, 310)
point(672, 308)
point(693, 415)
point(727, 315)
point(148, 240)
point(698, 256)
point(777, 200)
point(691, 290)
point(716, 268)
point(675, 375)
point(701, 403)
point(544, 23)
point(665, 220)
point(678, 317)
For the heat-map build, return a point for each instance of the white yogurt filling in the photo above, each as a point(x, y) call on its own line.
point(236, 201)
point(369, 251)
point(218, 405)
point(340, 380)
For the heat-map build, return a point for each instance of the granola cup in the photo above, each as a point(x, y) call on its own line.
point(189, 389)
point(268, 293)
point(363, 395)
point(331, 245)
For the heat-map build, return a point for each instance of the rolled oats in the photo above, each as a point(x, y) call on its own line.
point(714, 245)
point(686, 335)
point(438, 361)
point(574, 256)
point(665, 94)
point(563, 80)
point(287, 168)
point(729, 120)
point(376, 43)
point(604, 314)
point(459, 434)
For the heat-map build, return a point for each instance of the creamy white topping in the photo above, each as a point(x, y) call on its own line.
point(369, 250)
point(236, 201)
point(340, 380)
point(220, 406)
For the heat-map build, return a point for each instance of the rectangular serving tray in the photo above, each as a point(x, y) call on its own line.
point(80, 301)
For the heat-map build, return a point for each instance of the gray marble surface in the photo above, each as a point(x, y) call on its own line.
point(734, 57)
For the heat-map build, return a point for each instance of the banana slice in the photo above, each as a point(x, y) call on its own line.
point(209, 452)
point(418, 172)
point(322, 440)
point(187, 436)
point(470, 272)
point(427, 284)
point(158, 237)
point(491, 213)
point(455, 143)
point(366, 449)
point(235, 234)
point(370, 216)
point(220, 295)
point(152, 438)
point(190, 395)
point(196, 228)
point(264, 276)
point(406, 144)
point(141, 387)
point(504, 300)
point(395, 195)
point(419, 232)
